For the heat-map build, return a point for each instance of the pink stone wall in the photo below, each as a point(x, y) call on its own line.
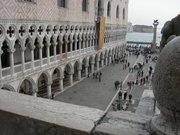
point(46, 10)
point(50, 11)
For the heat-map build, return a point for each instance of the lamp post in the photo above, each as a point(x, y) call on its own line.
point(155, 23)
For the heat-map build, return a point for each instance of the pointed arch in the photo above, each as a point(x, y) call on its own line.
point(84, 66)
point(27, 52)
point(68, 72)
point(27, 86)
point(56, 76)
point(5, 56)
point(17, 53)
point(43, 81)
point(69, 66)
point(36, 49)
point(124, 13)
point(45, 47)
point(117, 12)
point(100, 6)
point(8, 87)
point(109, 9)
point(77, 68)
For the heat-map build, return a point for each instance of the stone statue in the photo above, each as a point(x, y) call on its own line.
point(166, 88)
point(170, 28)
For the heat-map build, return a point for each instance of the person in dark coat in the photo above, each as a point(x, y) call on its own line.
point(125, 95)
point(130, 97)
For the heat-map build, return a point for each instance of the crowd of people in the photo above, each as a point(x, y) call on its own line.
point(142, 75)
point(97, 76)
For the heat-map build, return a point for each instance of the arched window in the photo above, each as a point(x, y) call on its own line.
point(109, 9)
point(5, 57)
point(117, 12)
point(62, 3)
point(85, 5)
point(99, 7)
point(123, 13)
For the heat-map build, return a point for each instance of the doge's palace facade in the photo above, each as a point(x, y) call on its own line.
point(48, 45)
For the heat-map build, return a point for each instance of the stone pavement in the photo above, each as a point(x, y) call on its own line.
point(137, 90)
point(92, 93)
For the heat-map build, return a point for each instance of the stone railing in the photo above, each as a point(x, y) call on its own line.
point(26, 115)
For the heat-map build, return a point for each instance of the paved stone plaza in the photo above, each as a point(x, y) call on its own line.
point(92, 93)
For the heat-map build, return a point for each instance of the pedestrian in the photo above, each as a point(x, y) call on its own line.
point(125, 95)
point(128, 64)
point(100, 73)
point(120, 95)
point(149, 72)
point(97, 74)
point(129, 69)
point(120, 85)
point(142, 73)
point(141, 81)
point(136, 82)
point(125, 66)
point(94, 75)
point(116, 84)
point(130, 97)
point(52, 96)
point(126, 60)
point(133, 83)
point(150, 68)
point(144, 80)
point(99, 78)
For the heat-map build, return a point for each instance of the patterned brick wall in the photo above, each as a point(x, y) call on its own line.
point(49, 10)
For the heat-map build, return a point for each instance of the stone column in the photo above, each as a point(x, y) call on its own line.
point(49, 93)
point(92, 67)
point(22, 58)
point(48, 56)
point(79, 74)
point(71, 79)
point(61, 84)
point(89, 43)
point(32, 57)
point(54, 45)
point(110, 59)
point(79, 44)
point(154, 34)
point(102, 62)
point(86, 70)
point(66, 49)
point(106, 62)
point(1, 52)
point(70, 46)
point(61, 48)
point(34, 92)
point(12, 60)
point(40, 56)
point(97, 65)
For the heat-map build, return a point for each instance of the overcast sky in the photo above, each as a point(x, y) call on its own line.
point(145, 11)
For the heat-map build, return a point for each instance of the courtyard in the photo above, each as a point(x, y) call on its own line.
point(92, 93)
